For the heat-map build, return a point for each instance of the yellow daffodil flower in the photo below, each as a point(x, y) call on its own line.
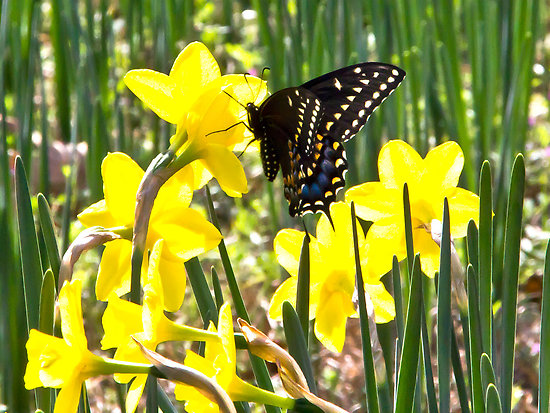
point(202, 104)
point(148, 324)
point(219, 363)
point(332, 277)
point(185, 232)
point(66, 362)
point(430, 181)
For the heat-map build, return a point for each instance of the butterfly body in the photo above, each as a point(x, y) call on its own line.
point(301, 130)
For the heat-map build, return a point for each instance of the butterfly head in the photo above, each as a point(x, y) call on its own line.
point(254, 119)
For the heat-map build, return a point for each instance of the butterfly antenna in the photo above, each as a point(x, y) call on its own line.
point(246, 80)
point(262, 78)
point(234, 99)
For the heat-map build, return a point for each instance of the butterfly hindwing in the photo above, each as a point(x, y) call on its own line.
point(351, 94)
point(320, 178)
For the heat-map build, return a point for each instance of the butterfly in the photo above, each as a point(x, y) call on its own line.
point(301, 130)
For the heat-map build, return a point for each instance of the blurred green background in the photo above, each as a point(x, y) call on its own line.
point(477, 73)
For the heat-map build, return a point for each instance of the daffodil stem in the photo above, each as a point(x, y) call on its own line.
point(249, 393)
point(186, 333)
point(111, 366)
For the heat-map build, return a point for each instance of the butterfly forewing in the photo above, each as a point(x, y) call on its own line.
point(351, 94)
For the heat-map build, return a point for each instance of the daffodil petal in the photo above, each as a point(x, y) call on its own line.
point(398, 162)
point(337, 240)
point(225, 331)
point(330, 322)
point(134, 392)
point(285, 292)
point(382, 301)
point(187, 234)
point(176, 193)
point(158, 91)
point(131, 352)
point(173, 276)
point(221, 105)
point(226, 168)
point(444, 163)
point(192, 71)
point(219, 114)
point(288, 245)
point(120, 319)
point(429, 252)
point(68, 397)
point(97, 214)
point(70, 308)
point(199, 363)
point(463, 206)
point(384, 241)
point(114, 269)
point(374, 201)
point(121, 179)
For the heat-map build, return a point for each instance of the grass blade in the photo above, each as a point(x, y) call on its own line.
point(510, 281)
point(475, 344)
point(544, 362)
point(444, 320)
point(30, 255)
point(302, 289)
point(487, 372)
point(485, 269)
point(492, 400)
point(297, 343)
point(201, 291)
point(406, 380)
point(46, 225)
point(368, 360)
point(399, 313)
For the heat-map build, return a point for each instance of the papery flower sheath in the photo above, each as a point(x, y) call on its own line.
point(430, 181)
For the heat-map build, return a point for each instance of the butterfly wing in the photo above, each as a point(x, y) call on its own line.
point(301, 130)
point(313, 166)
point(350, 95)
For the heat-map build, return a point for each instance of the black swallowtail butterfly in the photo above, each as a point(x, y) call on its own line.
point(301, 130)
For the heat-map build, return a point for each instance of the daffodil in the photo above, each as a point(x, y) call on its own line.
point(332, 279)
point(219, 363)
point(430, 181)
point(208, 109)
point(66, 362)
point(148, 324)
point(186, 232)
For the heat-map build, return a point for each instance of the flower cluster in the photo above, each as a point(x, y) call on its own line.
point(205, 108)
